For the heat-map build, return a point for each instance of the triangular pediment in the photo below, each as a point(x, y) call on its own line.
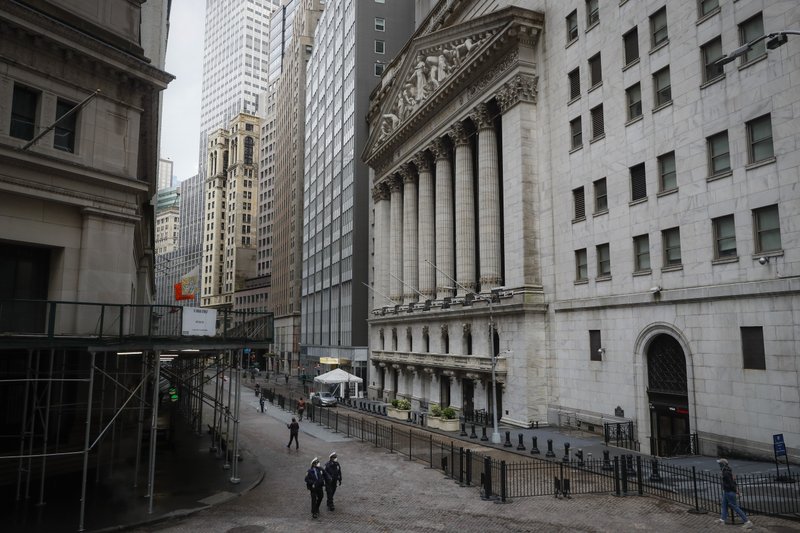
point(434, 63)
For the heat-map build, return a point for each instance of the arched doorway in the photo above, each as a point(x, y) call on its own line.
point(667, 393)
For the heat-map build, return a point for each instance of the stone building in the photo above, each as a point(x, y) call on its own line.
point(579, 190)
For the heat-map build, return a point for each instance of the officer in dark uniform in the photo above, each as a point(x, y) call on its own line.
point(315, 480)
point(333, 477)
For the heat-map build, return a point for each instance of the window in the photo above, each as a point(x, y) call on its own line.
point(753, 357)
point(595, 71)
point(379, 69)
point(707, 6)
point(658, 27)
point(581, 267)
point(595, 345)
point(23, 113)
point(592, 13)
point(575, 132)
point(641, 253)
point(64, 138)
point(671, 239)
point(598, 128)
point(638, 182)
point(662, 87)
point(380, 46)
point(719, 160)
point(572, 26)
point(749, 30)
point(579, 203)
point(574, 84)
point(634, 96)
point(667, 180)
point(724, 237)
point(600, 196)
point(630, 43)
point(603, 260)
point(759, 139)
point(712, 51)
point(380, 24)
point(767, 227)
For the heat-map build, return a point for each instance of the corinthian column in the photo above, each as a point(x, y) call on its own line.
point(427, 240)
point(380, 197)
point(410, 223)
point(488, 200)
point(465, 210)
point(396, 251)
point(445, 247)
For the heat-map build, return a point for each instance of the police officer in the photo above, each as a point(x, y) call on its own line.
point(333, 477)
point(315, 480)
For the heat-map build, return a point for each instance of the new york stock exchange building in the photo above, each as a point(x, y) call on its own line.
point(558, 240)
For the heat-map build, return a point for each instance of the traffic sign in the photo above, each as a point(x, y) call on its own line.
point(779, 445)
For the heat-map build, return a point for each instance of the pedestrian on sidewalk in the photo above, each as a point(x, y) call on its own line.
point(261, 402)
point(301, 407)
point(257, 389)
point(333, 478)
point(294, 429)
point(729, 492)
point(315, 480)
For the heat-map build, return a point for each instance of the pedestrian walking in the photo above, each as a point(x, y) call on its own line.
point(333, 471)
point(286, 377)
point(261, 402)
point(315, 481)
point(257, 389)
point(301, 407)
point(294, 429)
point(729, 492)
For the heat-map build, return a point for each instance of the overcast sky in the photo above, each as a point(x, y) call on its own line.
point(180, 119)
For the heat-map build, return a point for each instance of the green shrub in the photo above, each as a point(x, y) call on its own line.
point(448, 413)
point(395, 402)
point(403, 404)
point(436, 409)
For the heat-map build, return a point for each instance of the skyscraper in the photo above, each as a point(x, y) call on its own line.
point(336, 208)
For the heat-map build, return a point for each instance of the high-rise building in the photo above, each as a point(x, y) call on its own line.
point(280, 36)
point(165, 179)
point(168, 203)
point(582, 218)
point(352, 44)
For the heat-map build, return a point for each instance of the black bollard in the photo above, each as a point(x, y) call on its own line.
point(654, 476)
point(579, 455)
point(520, 446)
point(629, 470)
point(566, 452)
point(473, 435)
point(550, 452)
point(606, 461)
point(507, 443)
point(483, 434)
point(534, 447)
point(463, 430)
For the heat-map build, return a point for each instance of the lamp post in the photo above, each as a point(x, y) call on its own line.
point(774, 40)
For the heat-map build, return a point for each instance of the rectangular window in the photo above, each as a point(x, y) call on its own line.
point(658, 27)
point(581, 266)
point(641, 253)
point(380, 24)
point(662, 87)
point(576, 133)
point(634, 96)
point(712, 51)
point(592, 13)
point(707, 6)
point(579, 203)
point(598, 127)
point(749, 30)
point(595, 345)
point(64, 138)
point(574, 84)
point(630, 43)
point(753, 356)
point(767, 228)
point(380, 47)
point(572, 26)
point(600, 196)
point(719, 160)
point(379, 69)
point(724, 237)
point(595, 71)
point(671, 239)
point(638, 182)
point(667, 179)
point(23, 113)
point(759, 138)
point(603, 260)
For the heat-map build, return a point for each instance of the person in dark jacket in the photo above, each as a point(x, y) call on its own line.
point(333, 478)
point(729, 492)
point(294, 429)
point(315, 480)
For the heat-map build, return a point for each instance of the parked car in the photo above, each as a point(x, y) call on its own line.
point(323, 399)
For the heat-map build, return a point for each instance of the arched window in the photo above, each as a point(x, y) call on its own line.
point(248, 150)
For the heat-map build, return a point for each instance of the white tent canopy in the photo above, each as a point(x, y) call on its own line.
point(338, 376)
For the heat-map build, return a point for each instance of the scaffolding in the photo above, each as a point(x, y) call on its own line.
point(89, 387)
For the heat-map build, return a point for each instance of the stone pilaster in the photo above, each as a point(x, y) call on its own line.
point(410, 235)
point(465, 210)
point(396, 251)
point(489, 229)
point(426, 236)
point(445, 245)
point(380, 197)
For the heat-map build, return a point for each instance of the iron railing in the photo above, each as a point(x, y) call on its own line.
point(621, 435)
point(674, 445)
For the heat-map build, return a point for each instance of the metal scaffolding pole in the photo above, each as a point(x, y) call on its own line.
point(86, 440)
point(102, 417)
point(46, 425)
point(227, 464)
point(238, 396)
point(154, 431)
point(23, 431)
point(140, 431)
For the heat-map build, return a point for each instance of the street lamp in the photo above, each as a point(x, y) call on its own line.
point(774, 40)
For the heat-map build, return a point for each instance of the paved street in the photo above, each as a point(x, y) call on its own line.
point(387, 492)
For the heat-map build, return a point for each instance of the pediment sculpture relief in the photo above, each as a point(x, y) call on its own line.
point(432, 67)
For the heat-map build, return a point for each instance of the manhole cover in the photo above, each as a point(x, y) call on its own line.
point(247, 529)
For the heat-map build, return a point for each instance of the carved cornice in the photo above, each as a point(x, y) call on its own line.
point(520, 88)
point(439, 148)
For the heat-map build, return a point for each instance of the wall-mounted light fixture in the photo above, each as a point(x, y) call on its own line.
point(601, 351)
point(763, 260)
point(655, 289)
